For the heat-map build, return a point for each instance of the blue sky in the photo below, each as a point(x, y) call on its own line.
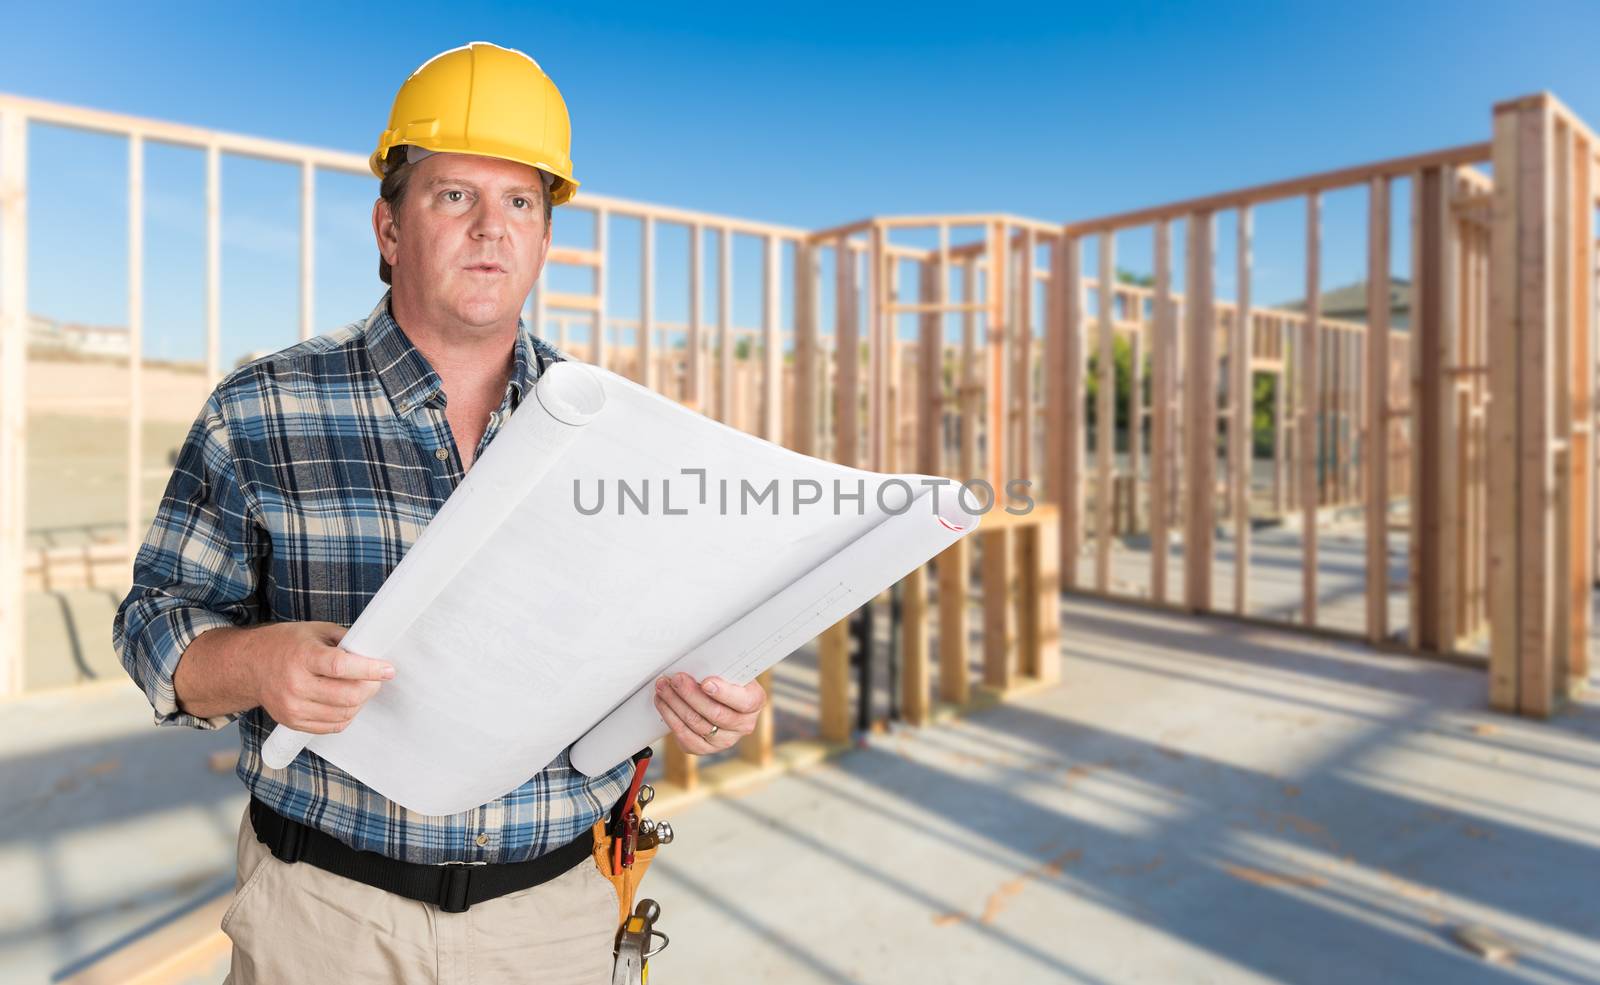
point(808, 115)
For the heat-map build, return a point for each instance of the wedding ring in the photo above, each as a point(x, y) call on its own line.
point(714, 730)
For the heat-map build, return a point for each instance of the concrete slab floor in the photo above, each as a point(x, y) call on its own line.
point(1199, 802)
point(109, 826)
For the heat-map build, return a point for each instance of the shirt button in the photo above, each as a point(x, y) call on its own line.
point(483, 840)
point(443, 454)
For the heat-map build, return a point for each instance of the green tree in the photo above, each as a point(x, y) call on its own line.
point(1122, 373)
point(1264, 399)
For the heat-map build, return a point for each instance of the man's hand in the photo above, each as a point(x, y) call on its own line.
point(691, 708)
point(306, 682)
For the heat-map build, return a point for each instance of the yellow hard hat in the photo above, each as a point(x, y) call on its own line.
point(486, 100)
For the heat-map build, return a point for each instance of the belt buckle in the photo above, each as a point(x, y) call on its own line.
point(454, 886)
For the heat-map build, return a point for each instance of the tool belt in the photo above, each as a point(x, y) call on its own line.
point(624, 846)
point(617, 850)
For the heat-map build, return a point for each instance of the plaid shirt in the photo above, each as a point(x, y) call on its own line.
point(305, 479)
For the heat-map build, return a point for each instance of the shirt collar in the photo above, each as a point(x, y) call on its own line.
point(411, 382)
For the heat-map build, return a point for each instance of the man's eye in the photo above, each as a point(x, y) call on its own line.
point(453, 195)
point(520, 202)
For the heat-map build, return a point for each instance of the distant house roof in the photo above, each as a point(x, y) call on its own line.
point(46, 335)
point(77, 328)
point(1350, 302)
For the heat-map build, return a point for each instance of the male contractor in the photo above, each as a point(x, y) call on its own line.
point(304, 480)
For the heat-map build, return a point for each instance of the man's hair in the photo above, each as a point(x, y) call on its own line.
point(396, 176)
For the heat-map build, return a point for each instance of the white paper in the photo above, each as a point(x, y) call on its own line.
point(518, 625)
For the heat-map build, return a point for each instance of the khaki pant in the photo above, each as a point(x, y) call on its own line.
point(298, 925)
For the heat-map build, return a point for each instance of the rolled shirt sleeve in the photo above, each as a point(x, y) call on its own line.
point(197, 569)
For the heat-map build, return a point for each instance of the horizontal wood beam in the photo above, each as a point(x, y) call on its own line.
point(1290, 188)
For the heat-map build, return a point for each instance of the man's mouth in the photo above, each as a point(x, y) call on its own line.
point(487, 268)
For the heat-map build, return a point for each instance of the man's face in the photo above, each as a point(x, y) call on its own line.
point(469, 240)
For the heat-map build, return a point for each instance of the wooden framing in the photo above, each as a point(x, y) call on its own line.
point(1021, 411)
point(308, 245)
point(725, 348)
point(878, 358)
point(847, 394)
point(1105, 441)
point(1038, 594)
point(13, 390)
point(941, 404)
point(1070, 440)
point(1200, 341)
point(1020, 574)
point(695, 377)
point(996, 559)
point(1519, 648)
point(954, 569)
point(1282, 488)
point(1376, 436)
point(834, 683)
point(1542, 315)
point(999, 393)
point(597, 341)
point(1136, 415)
point(1241, 392)
point(135, 481)
point(1163, 457)
point(772, 343)
point(1308, 449)
point(930, 364)
point(1054, 375)
point(807, 354)
point(213, 262)
point(970, 399)
point(645, 342)
point(1583, 240)
point(915, 684)
point(1574, 227)
point(1435, 337)
point(756, 748)
point(1292, 188)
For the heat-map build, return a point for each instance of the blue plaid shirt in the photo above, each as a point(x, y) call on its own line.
point(305, 479)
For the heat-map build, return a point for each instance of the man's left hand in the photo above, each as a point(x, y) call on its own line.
point(690, 708)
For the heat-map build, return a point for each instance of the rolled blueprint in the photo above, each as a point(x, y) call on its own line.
point(534, 439)
point(782, 624)
point(606, 536)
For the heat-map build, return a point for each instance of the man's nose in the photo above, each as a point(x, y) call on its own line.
point(487, 222)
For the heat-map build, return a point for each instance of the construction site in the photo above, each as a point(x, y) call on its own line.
point(1285, 676)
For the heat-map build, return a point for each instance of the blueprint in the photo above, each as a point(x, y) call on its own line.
point(608, 535)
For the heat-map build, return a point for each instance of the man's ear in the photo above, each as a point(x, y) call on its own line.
point(385, 231)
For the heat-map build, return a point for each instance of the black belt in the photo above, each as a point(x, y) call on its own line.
point(452, 887)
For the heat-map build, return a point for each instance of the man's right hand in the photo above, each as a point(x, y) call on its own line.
point(306, 682)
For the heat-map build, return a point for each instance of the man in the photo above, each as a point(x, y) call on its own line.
point(302, 483)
